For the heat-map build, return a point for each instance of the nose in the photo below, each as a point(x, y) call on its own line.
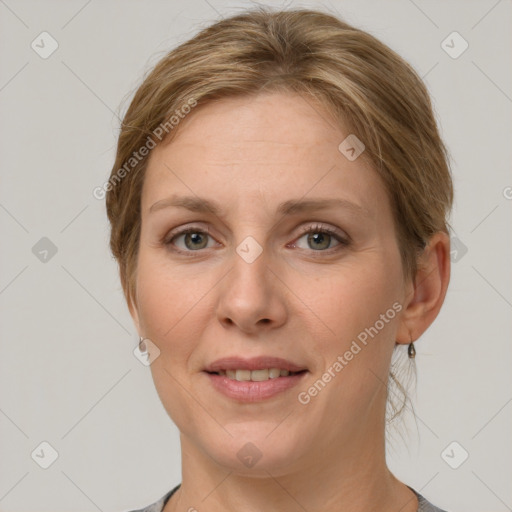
point(251, 297)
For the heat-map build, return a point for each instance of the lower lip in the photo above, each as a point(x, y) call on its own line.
point(252, 391)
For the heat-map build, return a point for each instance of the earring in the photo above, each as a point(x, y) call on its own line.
point(411, 351)
point(142, 345)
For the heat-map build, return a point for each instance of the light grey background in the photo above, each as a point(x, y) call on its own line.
point(67, 372)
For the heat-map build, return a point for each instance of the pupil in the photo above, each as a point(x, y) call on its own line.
point(320, 239)
point(191, 239)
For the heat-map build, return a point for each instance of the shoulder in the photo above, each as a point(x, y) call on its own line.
point(424, 505)
point(159, 505)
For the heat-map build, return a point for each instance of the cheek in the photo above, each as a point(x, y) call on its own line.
point(173, 304)
point(351, 298)
point(356, 334)
point(169, 311)
point(350, 304)
point(157, 298)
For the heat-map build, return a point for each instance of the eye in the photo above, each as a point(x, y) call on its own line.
point(317, 238)
point(320, 238)
point(190, 239)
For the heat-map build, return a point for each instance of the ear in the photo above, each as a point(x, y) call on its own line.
point(427, 291)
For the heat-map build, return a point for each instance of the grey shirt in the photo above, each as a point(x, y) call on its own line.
point(158, 506)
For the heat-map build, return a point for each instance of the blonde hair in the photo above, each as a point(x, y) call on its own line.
point(364, 84)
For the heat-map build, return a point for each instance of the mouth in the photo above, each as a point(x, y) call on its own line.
point(242, 375)
point(255, 379)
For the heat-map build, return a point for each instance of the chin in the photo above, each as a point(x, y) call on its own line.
point(254, 451)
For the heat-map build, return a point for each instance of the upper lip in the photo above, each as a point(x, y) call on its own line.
point(253, 363)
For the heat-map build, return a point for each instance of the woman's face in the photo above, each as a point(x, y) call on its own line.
point(218, 289)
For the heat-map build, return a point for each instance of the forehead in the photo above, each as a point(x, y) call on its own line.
point(272, 118)
point(259, 148)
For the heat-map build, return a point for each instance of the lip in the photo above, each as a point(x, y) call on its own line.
point(253, 363)
point(252, 391)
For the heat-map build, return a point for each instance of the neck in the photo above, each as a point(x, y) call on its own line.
point(350, 487)
point(351, 478)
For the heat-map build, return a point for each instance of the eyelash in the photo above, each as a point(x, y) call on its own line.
point(317, 228)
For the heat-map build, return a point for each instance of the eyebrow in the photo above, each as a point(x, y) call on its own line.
point(290, 207)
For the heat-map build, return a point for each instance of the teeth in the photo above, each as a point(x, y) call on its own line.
point(259, 375)
point(273, 373)
point(242, 375)
point(255, 375)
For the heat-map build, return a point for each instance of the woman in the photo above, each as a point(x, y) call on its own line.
point(278, 208)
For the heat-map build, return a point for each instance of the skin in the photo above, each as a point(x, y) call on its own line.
point(300, 300)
